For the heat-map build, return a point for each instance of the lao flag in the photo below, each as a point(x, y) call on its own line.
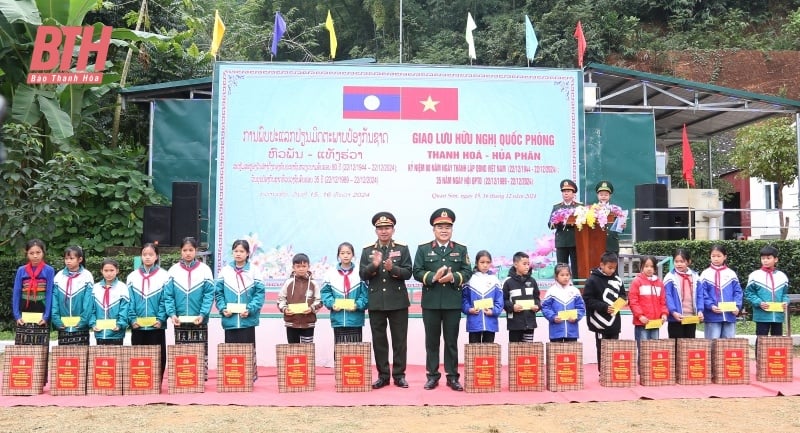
point(407, 103)
point(370, 102)
point(429, 103)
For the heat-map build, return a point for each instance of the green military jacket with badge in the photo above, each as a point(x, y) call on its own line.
point(387, 289)
point(428, 260)
point(565, 233)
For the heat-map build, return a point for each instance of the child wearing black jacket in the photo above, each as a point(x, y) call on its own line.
point(602, 290)
point(521, 300)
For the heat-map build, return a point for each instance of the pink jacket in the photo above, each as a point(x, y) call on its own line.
point(647, 297)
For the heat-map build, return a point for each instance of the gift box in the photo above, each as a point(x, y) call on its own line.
point(235, 367)
point(482, 367)
point(24, 369)
point(142, 370)
point(353, 365)
point(295, 367)
point(564, 366)
point(618, 368)
point(105, 370)
point(657, 362)
point(67, 368)
point(731, 361)
point(774, 359)
point(693, 366)
point(526, 367)
point(186, 368)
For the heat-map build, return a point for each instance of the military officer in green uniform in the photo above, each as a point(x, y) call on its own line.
point(442, 266)
point(385, 266)
point(566, 251)
point(604, 189)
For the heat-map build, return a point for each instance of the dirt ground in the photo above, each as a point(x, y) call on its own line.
point(776, 414)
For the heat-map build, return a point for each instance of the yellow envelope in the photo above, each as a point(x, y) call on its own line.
point(482, 304)
point(619, 304)
point(776, 307)
point(690, 320)
point(343, 304)
point(186, 319)
point(298, 308)
point(32, 317)
point(70, 321)
point(236, 308)
point(727, 306)
point(526, 304)
point(568, 314)
point(103, 324)
point(146, 322)
point(653, 324)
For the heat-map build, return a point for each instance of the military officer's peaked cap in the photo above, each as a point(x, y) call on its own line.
point(383, 219)
point(569, 184)
point(604, 185)
point(443, 216)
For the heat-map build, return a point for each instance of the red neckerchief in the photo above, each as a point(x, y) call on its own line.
point(189, 270)
point(33, 284)
point(686, 283)
point(771, 280)
point(71, 276)
point(107, 297)
point(239, 278)
point(145, 280)
point(717, 279)
point(345, 274)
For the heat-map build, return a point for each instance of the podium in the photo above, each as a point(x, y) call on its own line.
point(590, 244)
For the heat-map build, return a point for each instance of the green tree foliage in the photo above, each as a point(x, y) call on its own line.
point(768, 151)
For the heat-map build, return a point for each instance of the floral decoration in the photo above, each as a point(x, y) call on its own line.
point(592, 216)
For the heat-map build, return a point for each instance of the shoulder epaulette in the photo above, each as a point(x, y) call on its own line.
point(370, 245)
point(402, 244)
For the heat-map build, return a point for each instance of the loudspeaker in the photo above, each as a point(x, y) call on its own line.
point(157, 225)
point(185, 211)
point(651, 196)
point(678, 219)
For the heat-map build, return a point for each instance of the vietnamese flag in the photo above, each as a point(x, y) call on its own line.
point(429, 103)
point(688, 159)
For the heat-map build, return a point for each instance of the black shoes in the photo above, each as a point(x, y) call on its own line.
point(454, 385)
point(401, 382)
point(380, 383)
point(431, 383)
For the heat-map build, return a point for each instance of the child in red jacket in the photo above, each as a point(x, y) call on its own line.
point(648, 302)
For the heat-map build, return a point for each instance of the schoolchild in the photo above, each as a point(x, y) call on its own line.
point(147, 313)
point(109, 315)
point(240, 295)
point(482, 323)
point(299, 289)
point(684, 296)
point(720, 285)
point(189, 295)
point(72, 299)
point(521, 286)
point(766, 287)
point(647, 300)
point(343, 283)
point(563, 296)
point(33, 294)
point(602, 290)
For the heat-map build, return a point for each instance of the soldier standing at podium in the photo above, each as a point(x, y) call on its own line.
point(566, 251)
point(385, 266)
point(604, 189)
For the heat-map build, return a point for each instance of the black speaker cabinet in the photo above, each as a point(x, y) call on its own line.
point(157, 225)
point(678, 222)
point(651, 196)
point(185, 211)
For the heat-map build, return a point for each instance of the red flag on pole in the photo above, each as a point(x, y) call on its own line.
point(688, 159)
point(581, 43)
